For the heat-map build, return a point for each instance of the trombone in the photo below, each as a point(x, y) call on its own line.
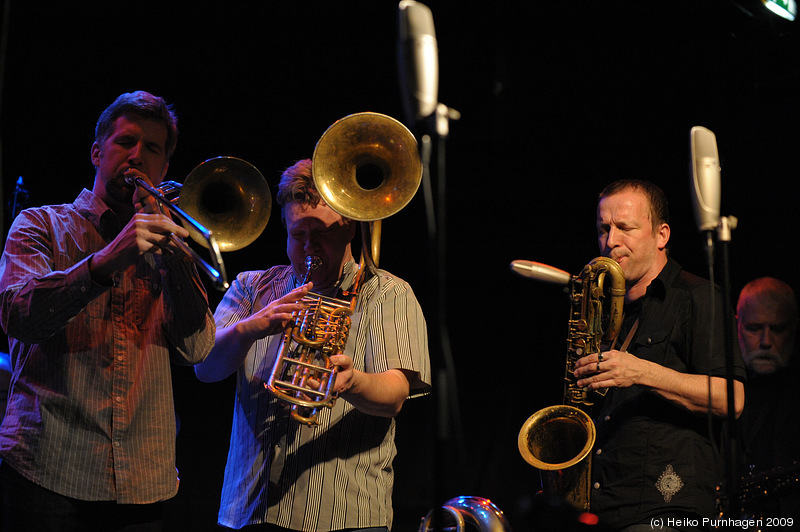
point(227, 205)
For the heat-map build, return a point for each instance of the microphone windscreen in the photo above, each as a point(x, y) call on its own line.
point(706, 185)
point(540, 272)
point(417, 60)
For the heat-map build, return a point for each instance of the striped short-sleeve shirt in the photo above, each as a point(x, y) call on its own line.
point(338, 475)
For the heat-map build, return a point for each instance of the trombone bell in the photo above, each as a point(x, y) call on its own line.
point(231, 198)
point(224, 204)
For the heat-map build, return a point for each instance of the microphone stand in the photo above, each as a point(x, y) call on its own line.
point(448, 417)
point(726, 225)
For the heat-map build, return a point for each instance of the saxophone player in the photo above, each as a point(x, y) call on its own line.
point(282, 475)
point(654, 461)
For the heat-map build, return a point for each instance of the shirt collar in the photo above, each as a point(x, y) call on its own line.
point(665, 278)
point(98, 214)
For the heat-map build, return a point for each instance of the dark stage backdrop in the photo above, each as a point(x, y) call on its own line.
point(557, 99)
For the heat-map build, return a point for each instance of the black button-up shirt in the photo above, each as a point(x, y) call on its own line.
point(652, 457)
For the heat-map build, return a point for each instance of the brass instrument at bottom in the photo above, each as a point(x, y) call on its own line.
point(558, 440)
point(465, 513)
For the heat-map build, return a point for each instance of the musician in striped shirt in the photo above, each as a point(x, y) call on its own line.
point(283, 475)
point(97, 303)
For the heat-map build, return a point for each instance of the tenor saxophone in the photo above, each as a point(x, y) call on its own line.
point(558, 439)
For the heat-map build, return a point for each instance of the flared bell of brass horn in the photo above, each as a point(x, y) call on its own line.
point(366, 166)
point(230, 197)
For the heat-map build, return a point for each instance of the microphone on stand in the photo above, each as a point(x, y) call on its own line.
point(417, 60)
point(540, 272)
point(706, 194)
point(706, 185)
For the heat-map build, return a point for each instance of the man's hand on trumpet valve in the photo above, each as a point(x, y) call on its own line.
point(610, 369)
point(344, 374)
point(275, 317)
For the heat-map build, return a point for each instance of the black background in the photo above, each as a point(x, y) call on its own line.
point(557, 99)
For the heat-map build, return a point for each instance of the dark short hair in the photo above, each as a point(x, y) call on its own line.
point(297, 186)
point(659, 209)
point(141, 104)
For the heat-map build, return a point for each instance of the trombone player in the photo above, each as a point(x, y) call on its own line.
point(97, 305)
point(283, 475)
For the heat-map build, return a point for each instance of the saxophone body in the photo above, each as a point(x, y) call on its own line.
point(558, 440)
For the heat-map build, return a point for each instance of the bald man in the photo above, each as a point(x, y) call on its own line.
point(767, 325)
point(766, 316)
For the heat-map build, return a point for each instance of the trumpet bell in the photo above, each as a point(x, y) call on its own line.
point(230, 197)
point(366, 166)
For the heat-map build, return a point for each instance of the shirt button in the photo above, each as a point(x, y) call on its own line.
point(599, 451)
point(118, 399)
point(607, 418)
point(596, 485)
point(83, 289)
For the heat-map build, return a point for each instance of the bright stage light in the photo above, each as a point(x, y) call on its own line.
point(783, 8)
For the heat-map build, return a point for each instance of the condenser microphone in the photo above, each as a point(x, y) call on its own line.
point(706, 186)
point(540, 272)
point(417, 60)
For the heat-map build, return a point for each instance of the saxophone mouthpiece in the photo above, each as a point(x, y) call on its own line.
point(540, 272)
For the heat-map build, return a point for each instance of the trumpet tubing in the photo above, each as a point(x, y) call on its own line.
point(303, 374)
